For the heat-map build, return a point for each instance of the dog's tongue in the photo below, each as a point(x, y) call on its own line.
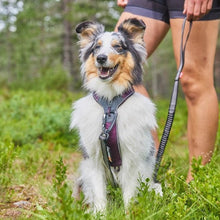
point(104, 71)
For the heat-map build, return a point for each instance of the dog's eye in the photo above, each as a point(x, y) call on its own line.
point(117, 46)
point(97, 47)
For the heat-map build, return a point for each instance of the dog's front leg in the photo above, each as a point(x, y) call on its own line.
point(93, 184)
point(129, 184)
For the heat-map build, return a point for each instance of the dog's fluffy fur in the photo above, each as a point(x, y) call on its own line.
point(111, 63)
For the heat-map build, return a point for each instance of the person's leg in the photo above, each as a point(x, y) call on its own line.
point(198, 86)
point(154, 34)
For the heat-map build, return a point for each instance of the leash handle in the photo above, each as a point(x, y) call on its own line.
point(173, 102)
point(183, 48)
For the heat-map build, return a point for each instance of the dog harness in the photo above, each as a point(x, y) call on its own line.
point(109, 138)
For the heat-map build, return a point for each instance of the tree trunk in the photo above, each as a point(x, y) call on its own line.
point(67, 54)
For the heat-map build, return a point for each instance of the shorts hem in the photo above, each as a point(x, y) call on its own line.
point(163, 15)
point(212, 15)
point(146, 13)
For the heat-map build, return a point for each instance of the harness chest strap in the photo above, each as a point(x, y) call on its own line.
point(108, 137)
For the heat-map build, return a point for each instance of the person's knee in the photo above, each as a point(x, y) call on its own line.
point(193, 85)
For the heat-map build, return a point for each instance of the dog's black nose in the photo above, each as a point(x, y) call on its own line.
point(101, 58)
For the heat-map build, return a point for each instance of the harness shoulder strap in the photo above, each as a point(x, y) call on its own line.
point(115, 102)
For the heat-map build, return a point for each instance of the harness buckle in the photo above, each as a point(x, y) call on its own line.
point(103, 136)
point(117, 169)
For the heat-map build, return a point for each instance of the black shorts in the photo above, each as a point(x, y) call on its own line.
point(165, 10)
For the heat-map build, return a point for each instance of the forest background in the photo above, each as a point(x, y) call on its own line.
point(38, 45)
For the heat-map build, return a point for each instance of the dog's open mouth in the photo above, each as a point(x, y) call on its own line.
point(106, 72)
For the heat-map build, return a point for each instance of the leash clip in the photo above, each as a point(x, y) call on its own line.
point(103, 136)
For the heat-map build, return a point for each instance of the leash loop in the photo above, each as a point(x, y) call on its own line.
point(183, 48)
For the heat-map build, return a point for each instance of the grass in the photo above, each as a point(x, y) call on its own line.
point(39, 159)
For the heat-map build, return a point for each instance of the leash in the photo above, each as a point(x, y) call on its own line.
point(173, 101)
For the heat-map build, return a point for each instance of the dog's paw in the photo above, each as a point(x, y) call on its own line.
point(99, 207)
point(157, 188)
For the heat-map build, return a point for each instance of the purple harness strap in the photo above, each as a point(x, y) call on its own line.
point(108, 137)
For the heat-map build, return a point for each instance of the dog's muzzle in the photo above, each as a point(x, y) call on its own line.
point(105, 71)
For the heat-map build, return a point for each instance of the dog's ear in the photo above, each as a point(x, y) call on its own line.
point(134, 29)
point(87, 31)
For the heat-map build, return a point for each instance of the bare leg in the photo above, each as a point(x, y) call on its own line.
point(198, 87)
point(154, 34)
point(141, 89)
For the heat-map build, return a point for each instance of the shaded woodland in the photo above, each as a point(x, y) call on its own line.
point(38, 45)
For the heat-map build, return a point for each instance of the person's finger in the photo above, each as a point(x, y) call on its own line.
point(185, 7)
point(197, 11)
point(209, 5)
point(122, 3)
point(204, 7)
point(190, 10)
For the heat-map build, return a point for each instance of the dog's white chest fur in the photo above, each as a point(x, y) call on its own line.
point(135, 122)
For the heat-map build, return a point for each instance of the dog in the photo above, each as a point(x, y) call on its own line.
point(111, 66)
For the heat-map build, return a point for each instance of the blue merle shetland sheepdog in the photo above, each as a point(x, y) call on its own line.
point(111, 65)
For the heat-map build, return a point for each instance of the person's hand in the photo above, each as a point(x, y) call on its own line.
point(196, 9)
point(122, 3)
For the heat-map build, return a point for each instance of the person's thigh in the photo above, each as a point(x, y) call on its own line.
point(200, 51)
point(154, 33)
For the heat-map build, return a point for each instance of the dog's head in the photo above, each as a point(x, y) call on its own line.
point(112, 59)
